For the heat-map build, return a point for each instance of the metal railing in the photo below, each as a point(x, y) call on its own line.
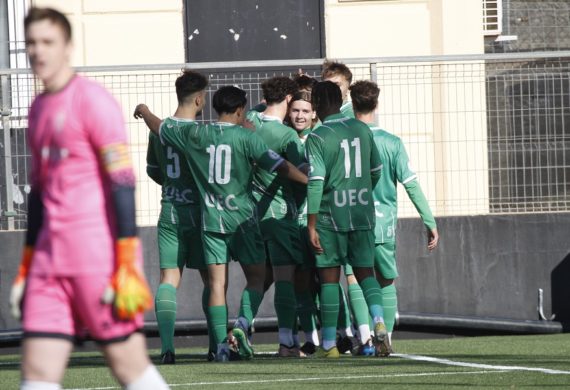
point(485, 133)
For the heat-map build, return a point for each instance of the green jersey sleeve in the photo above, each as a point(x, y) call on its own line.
point(375, 162)
point(294, 150)
point(259, 153)
point(152, 162)
point(254, 116)
point(419, 200)
point(317, 172)
point(404, 172)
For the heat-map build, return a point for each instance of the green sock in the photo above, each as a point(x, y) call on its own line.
point(390, 306)
point(250, 301)
point(306, 311)
point(219, 319)
point(165, 310)
point(344, 321)
point(373, 295)
point(205, 298)
point(358, 304)
point(329, 311)
point(285, 304)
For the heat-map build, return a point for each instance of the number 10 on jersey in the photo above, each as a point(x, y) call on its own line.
point(220, 164)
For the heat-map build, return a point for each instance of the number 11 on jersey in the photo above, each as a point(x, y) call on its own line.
point(357, 158)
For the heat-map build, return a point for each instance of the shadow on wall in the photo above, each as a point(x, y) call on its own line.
point(560, 282)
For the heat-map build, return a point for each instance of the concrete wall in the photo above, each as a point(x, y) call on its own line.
point(110, 32)
point(485, 266)
point(403, 28)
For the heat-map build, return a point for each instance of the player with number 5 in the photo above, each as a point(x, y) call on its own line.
point(222, 157)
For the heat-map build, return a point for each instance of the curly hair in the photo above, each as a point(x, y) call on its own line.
point(276, 89)
point(364, 95)
point(326, 94)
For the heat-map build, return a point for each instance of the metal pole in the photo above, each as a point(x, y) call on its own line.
point(9, 180)
point(374, 77)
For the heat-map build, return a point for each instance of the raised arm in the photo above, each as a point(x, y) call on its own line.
point(151, 120)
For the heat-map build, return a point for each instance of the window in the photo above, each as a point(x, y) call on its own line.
point(492, 17)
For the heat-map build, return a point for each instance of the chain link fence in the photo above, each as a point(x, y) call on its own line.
point(485, 134)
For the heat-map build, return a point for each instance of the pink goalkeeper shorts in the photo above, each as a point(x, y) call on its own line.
point(70, 307)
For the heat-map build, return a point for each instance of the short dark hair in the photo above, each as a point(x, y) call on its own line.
point(188, 83)
point(36, 14)
point(276, 89)
point(228, 99)
point(304, 82)
point(333, 68)
point(326, 94)
point(364, 95)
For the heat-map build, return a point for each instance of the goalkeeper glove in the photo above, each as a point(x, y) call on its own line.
point(128, 290)
point(17, 291)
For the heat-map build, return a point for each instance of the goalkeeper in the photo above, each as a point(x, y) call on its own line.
point(81, 266)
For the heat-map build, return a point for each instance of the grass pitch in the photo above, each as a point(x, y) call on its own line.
point(483, 362)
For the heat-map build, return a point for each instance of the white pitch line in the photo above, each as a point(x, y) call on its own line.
point(478, 365)
point(312, 379)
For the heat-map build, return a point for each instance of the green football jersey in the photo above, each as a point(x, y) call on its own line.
point(342, 154)
point(178, 185)
point(221, 157)
point(154, 164)
point(396, 169)
point(275, 196)
point(302, 207)
point(347, 110)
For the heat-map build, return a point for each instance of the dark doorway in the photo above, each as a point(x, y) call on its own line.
point(245, 30)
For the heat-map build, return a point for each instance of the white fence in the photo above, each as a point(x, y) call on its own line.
point(486, 134)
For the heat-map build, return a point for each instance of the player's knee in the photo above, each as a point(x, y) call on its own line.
point(128, 359)
point(38, 372)
point(362, 273)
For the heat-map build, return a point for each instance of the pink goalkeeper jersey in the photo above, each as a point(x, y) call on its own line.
point(67, 130)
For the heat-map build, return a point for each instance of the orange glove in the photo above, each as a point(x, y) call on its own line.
point(128, 291)
point(19, 284)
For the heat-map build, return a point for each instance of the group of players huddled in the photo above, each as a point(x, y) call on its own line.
point(291, 198)
point(297, 189)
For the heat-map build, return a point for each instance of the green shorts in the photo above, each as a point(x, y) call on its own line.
point(355, 248)
point(282, 241)
point(385, 259)
point(246, 247)
point(179, 241)
point(307, 253)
